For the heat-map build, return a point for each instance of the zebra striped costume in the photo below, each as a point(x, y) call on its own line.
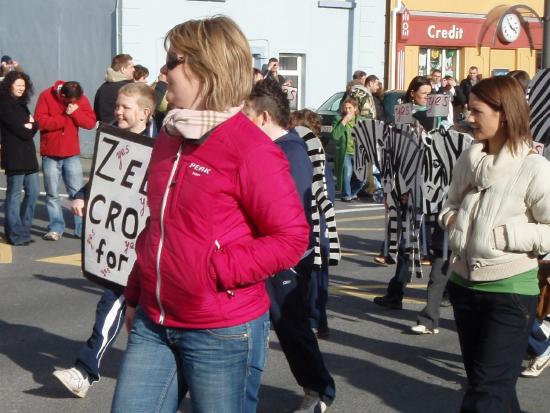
point(320, 202)
point(538, 97)
point(415, 164)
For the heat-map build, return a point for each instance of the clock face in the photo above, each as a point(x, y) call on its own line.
point(510, 28)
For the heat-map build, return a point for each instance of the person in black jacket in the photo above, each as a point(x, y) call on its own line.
point(120, 73)
point(268, 108)
point(17, 128)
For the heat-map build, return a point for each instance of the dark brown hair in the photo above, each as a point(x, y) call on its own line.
point(504, 94)
point(307, 118)
point(9, 80)
point(140, 71)
point(522, 77)
point(268, 96)
point(349, 99)
point(416, 83)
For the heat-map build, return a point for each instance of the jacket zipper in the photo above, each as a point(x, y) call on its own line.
point(161, 242)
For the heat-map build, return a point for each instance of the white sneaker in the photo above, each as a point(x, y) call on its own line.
point(73, 380)
point(536, 366)
point(52, 236)
point(311, 403)
point(420, 329)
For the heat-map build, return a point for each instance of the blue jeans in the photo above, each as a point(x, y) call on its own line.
point(318, 293)
point(350, 184)
point(20, 212)
point(221, 368)
point(71, 170)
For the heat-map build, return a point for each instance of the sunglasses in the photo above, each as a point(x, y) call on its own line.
point(173, 60)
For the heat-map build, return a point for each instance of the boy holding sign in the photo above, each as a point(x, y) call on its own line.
point(134, 107)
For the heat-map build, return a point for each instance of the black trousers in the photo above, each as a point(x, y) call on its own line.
point(289, 318)
point(493, 329)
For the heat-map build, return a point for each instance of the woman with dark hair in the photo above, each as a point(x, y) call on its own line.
point(417, 94)
point(17, 128)
point(224, 216)
point(522, 77)
point(498, 216)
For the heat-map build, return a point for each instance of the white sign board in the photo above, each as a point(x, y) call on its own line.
point(116, 205)
point(291, 95)
point(403, 113)
point(438, 105)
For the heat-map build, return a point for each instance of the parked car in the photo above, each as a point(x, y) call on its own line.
point(331, 108)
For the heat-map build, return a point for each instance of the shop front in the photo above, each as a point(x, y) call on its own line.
point(507, 38)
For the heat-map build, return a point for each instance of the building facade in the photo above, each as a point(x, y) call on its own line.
point(318, 43)
point(451, 36)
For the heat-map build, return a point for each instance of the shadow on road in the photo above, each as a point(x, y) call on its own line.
point(40, 353)
point(80, 284)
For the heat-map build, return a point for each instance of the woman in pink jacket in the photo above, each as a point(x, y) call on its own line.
point(224, 216)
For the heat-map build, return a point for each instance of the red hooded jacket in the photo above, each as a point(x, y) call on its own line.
point(224, 216)
point(59, 131)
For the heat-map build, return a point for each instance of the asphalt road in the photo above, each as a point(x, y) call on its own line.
point(47, 311)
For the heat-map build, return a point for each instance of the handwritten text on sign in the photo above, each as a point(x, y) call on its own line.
point(438, 105)
point(116, 209)
point(291, 95)
point(403, 113)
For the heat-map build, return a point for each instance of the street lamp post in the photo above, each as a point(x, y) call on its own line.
point(546, 39)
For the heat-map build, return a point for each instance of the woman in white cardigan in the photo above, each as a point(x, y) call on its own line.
point(498, 216)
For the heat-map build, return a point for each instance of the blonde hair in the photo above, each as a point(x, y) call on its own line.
point(144, 93)
point(218, 54)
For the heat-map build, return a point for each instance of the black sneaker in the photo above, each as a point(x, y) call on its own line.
point(391, 303)
point(323, 333)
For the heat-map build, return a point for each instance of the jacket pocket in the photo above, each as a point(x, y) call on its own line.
point(212, 275)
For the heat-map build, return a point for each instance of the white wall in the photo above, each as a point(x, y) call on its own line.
point(283, 26)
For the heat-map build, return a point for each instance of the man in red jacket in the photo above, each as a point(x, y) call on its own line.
point(60, 111)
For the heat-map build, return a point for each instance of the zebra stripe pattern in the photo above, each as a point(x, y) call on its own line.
point(321, 205)
point(416, 169)
point(538, 96)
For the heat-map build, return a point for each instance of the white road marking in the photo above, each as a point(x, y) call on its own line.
point(41, 193)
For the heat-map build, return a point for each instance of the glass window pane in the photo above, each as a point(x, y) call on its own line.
point(288, 62)
point(451, 56)
point(422, 62)
point(435, 59)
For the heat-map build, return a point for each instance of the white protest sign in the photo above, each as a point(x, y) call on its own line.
point(291, 95)
point(438, 105)
point(116, 204)
point(403, 113)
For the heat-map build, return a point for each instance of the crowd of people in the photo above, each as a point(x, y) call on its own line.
point(258, 234)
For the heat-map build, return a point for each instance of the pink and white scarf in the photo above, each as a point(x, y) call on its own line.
point(193, 124)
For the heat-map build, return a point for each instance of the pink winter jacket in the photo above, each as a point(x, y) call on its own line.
point(224, 216)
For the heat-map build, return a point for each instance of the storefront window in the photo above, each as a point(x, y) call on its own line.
point(445, 60)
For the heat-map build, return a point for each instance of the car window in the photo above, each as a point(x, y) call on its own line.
point(332, 104)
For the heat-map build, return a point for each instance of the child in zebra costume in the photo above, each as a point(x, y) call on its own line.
point(327, 246)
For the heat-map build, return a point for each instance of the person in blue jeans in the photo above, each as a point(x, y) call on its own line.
point(134, 107)
point(60, 111)
point(17, 128)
